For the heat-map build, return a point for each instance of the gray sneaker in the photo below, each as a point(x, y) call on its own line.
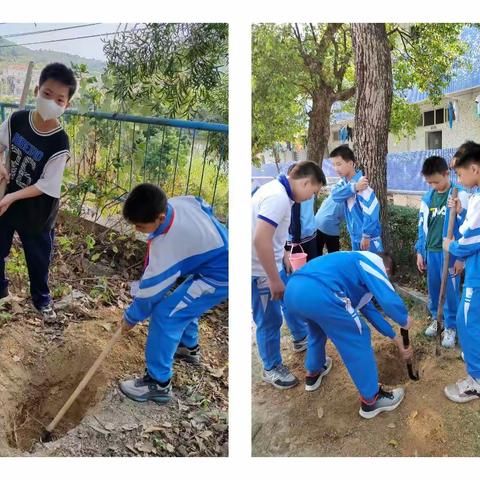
point(464, 390)
point(300, 345)
point(280, 377)
point(385, 402)
point(146, 388)
point(431, 330)
point(48, 313)
point(189, 355)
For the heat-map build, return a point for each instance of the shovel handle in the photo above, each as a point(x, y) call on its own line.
point(85, 380)
point(405, 337)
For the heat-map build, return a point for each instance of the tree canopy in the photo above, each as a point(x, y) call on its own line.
point(424, 56)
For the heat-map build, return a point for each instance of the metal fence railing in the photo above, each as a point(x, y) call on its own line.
point(111, 153)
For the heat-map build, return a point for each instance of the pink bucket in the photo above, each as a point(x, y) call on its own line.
point(297, 260)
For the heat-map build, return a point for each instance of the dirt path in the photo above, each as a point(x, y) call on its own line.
point(40, 366)
point(326, 422)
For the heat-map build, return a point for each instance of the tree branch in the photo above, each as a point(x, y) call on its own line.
point(344, 94)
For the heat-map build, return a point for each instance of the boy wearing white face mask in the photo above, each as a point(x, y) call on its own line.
point(38, 149)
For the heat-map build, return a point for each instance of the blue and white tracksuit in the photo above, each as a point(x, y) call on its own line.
point(190, 243)
point(329, 292)
point(468, 316)
point(362, 213)
point(272, 203)
point(434, 260)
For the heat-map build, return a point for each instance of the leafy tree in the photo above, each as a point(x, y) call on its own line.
point(411, 52)
point(294, 77)
point(424, 56)
point(176, 69)
point(302, 69)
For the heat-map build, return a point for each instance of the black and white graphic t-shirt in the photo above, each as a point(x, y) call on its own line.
point(36, 158)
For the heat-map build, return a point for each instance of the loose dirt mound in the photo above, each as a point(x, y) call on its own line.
point(37, 379)
point(326, 422)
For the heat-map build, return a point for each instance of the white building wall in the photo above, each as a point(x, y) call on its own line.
point(466, 127)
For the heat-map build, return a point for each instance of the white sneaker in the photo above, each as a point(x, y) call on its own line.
point(448, 338)
point(464, 390)
point(431, 331)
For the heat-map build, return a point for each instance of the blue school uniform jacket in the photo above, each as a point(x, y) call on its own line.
point(468, 244)
point(329, 217)
point(420, 245)
point(190, 241)
point(357, 277)
point(362, 210)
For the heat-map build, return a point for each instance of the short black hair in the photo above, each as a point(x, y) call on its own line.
point(144, 204)
point(343, 151)
point(60, 73)
point(434, 164)
point(471, 156)
point(464, 147)
point(307, 169)
point(388, 261)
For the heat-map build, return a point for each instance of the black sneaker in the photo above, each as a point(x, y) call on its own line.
point(384, 402)
point(312, 382)
point(146, 388)
point(189, 355)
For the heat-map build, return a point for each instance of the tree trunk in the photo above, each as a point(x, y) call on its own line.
point(373, 67)
point(319, 127)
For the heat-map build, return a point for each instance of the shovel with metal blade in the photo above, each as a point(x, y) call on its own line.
point(406, 342)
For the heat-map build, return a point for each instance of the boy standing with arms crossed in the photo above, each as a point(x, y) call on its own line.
point(271, 213)
point(361, 207)
point(38, 151)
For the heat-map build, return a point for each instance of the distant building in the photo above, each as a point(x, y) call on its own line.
point(446, 125)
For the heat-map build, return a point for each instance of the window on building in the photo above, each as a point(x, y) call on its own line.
point(434, 117)
point(428, 118)
point(434, 140)
point(439, 116)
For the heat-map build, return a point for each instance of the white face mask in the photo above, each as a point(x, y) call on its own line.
point(48, 109)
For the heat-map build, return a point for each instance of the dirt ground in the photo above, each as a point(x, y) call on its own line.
point(41, 364)
point(326, 422)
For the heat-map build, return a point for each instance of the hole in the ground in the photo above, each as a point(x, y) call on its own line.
point(41, 401)
point(391, 369)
